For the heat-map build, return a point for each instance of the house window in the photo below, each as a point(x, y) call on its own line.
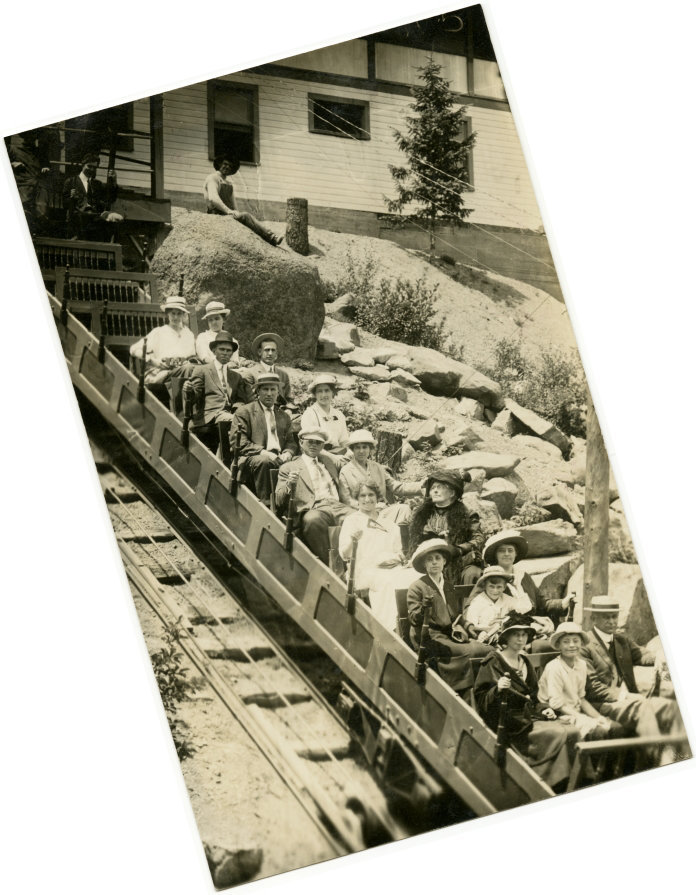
point(466, 131)
point(99, 132)
point(339, 117)
point(233, 124)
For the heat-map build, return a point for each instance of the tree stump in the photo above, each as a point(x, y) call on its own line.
point(388, 449)
point(596, 514)
point(296, 218)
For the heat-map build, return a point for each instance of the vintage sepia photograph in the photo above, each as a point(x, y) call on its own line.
point(371, 529)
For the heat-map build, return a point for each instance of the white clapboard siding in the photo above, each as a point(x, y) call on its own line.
point(334, 171)
point(141, 150)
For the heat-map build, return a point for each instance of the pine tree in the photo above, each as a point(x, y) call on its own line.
point(436, 175)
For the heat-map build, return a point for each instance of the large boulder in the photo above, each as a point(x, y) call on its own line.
point(549, 538)
point(375, 373)
point(621, 546)
point(531, 446)
point(494, 464)
point(471, 408)
point(487, 511)
point(408, 380)
point(343, 308)
point(345, 336)
point(441, 375)
point(463, 437)
point(359, 357)
point(265, 288)
point(502, 493)
point(538, 426)
point(626, 586)
point(560, 501)
point(552, 574)
point(422, 436)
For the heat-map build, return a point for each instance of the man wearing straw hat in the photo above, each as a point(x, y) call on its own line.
point(316, 496)
point(266, 347)
point(169, 345)
point(223, 388)
point(215, 315)
point(612, 689)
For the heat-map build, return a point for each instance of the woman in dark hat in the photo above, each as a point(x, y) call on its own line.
point(530, 727)
point(443, 515)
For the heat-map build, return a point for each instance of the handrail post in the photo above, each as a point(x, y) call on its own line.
point(425, 633)
point(102, 332)
point(234, 472)
point(141, 378)
point(290, 520)
point(65, 297)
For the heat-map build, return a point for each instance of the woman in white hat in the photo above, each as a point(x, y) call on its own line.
point(451, 656)
point(563, 686)
point(361, 468)
point(528, 725)
point(323, 415)
point(169, 345)
point(215, 314)
point(377, 546)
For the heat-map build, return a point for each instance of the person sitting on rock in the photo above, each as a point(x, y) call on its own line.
point(316, 496)
point(504, 549)
point(563, 686)
point(443, 515)
point(451, 654)
point(491, 602)
point(218, 193)
point(169, 345)
point(613, 691)
point(361, 468)
point(266, 436)
point(323, 415)
point(87, 201)
point(215, 314)
point(266, 347)
point(222, 388)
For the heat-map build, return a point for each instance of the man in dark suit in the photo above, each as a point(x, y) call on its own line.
point(316, 496)
point(87, 201)
point(223, 388)
point(266, 440)
point(266, 347)
point(612, 687)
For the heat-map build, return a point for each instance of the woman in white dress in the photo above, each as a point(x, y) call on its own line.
point(377, 546)
point(169, 345)
point(323, 415)
point(215, 314)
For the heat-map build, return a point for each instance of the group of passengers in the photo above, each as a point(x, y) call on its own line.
point(473, 611)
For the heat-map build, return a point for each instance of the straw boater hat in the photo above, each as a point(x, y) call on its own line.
point(224, 337)
point(509, 536)
point(567, 628)
point(215, 309)
point(267, 337)
point(516, 621)
point(493, 572)
point(448, 477)
point(311, 432)
point(174, 303)
point(603, 604)
point(434, 545)
point(360, 436)
point(265, 378)
point(323, 379)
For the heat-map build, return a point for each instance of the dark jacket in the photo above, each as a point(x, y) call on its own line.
point(251, 421)
point(522, 705)
point(464, 531)
point(209, 389)
point(94, 204)
point(623, 654)
point(304, 492)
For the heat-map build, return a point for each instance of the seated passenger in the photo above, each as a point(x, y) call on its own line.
point(316, 495)
point(323, 415)
point(450, 649)
point(361, 468)
point(505, 548)
point(529, 726)
point(218, 193)
point(87, 201)
point(169, 345)
point(610, 658)
point(266, 347)
point(376, 544)
point(563, 686)
point(215, 314)
point(491, 603)
point(223, 388)
point(266, 440)
point(443, 515)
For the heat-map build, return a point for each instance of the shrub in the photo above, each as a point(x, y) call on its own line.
point(359, 275)
point(174, 688)
point(553, 385)
point(402, 311)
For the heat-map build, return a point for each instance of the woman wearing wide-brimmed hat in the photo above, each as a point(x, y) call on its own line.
point(323, 415)
point(504, 549)
point(377, 546)
point(169, 345)
point(529, 726)
point(563, 686)
point(362, 467)
point(443, 515)
point(215, 316)
point(450, 650)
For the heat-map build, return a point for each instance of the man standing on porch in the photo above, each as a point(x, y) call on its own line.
point(218, 193)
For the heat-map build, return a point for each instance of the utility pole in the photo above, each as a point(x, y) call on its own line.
point(596, 579)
